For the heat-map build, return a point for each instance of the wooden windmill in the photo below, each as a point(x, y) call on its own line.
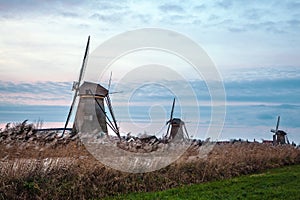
point(280, 136)
point(91, 116)
point(178, 130)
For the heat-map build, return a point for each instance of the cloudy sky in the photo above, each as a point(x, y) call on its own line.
point(254, 44)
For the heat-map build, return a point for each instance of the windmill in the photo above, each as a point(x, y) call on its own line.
point(178, 129)
point(280, 136)
point(90, 114)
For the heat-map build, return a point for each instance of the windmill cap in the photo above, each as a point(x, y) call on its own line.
point(89, 88)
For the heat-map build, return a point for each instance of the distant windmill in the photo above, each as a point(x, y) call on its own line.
point(91, 115)
point(280, 136)
point(178, 129)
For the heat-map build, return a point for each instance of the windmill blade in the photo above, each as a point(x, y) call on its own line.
point(168, 129)
point(118, 92)
point(171, 116)
point(109, 123)
point(110, 108)
point(109, 82)
point(278, 120)
point(287, 139)
point(108, 102)
point(273, 131)
point(78, 84)
point(84, 61)
point(70, 111)
point(186, 132)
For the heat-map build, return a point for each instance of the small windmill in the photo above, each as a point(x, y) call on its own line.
point(280, 136)
point(178, 129)
point(90, 114)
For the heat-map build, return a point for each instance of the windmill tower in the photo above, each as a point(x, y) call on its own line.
point(178, 130)
point(91, 115)
point(280, 136)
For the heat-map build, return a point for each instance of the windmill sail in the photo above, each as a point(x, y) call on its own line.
point(277, 125)
point(116, 128)
point(77, 84)
point(171, 117)
point(110, 108)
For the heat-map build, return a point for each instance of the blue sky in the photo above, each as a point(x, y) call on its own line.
point(254, 44)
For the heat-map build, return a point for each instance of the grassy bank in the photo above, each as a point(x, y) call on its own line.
point(280, 183)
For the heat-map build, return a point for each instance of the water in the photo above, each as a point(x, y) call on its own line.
point(245, 122)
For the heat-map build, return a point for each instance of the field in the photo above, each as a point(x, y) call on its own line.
point(34, 166)
point(280, 183)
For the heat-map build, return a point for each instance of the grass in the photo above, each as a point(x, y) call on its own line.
point(280, 183)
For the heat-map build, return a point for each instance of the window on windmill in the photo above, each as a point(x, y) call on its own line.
point(88, 117)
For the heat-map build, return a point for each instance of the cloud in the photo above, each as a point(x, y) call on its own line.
point(34, 7)
point(143, 18)
point(225, 22)
point(269, 91)
point(294, 22)
point(246, 87)
point(70, 14)
point(232, 25)
point(34, 113)
point(236, 30)
point(38, 87)
point(263, 115)
point(271, 26)
point(110, 18)
point(38, 93)
point(110, 5)
point(213, 17)
point(54, 29)
point(201, 7)
point(176, 19)
point(262, 74)
point(293, 5)
point(171, 8)
point(225, 4)
point(254, 14)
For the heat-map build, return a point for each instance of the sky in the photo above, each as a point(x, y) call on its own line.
point(255, 46)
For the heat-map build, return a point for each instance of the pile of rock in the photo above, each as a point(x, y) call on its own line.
point(140, 145)
point(26, 134)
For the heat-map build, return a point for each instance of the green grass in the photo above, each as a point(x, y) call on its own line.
point(281, 183)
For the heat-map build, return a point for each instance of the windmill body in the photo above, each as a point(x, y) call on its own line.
point(90, 116)
point(280, 136)
point(178, 130)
